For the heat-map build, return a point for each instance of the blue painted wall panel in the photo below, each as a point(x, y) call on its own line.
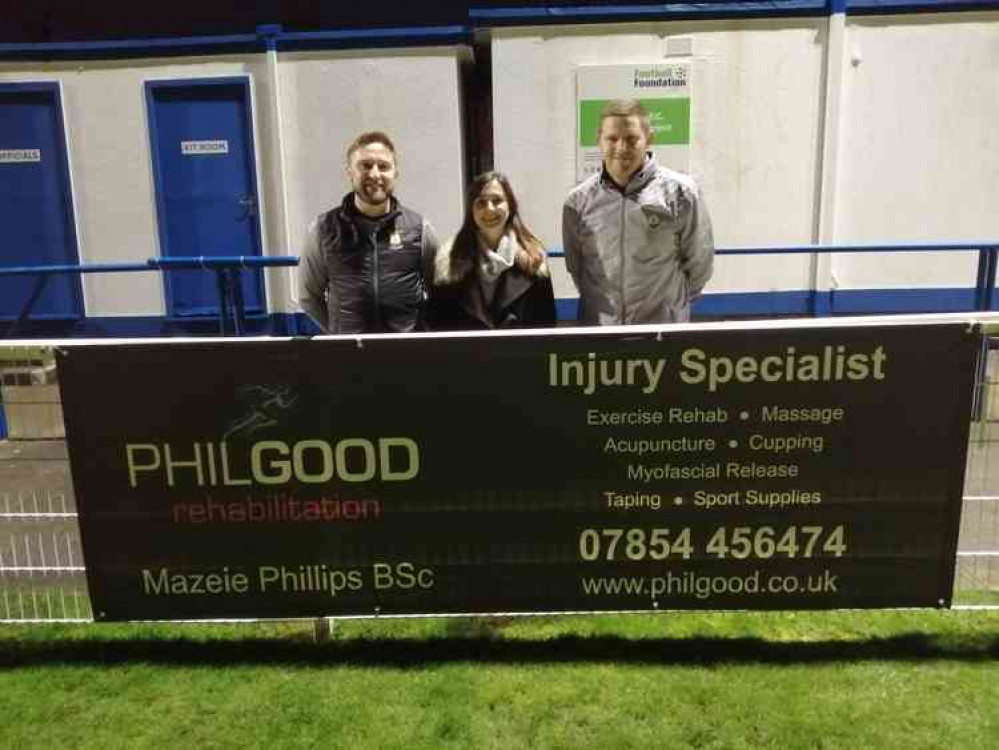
point(206, 186)
point(35, 201)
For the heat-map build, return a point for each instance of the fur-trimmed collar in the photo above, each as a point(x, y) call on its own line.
point(442, 263)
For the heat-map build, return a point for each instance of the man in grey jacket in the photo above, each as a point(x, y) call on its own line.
point(637, 236)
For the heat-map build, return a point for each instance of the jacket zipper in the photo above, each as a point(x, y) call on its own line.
point(375, 274)
point(623, 303)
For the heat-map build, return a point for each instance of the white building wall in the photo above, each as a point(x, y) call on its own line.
point(918, 150)
point(920, 154)
point(330, 98)
point(326, 99)
point(755, 126)
point(917, 155)
point(104, 109)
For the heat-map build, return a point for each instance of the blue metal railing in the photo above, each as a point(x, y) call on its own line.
point(987, 258)
point(984, 285)
point(228, 271)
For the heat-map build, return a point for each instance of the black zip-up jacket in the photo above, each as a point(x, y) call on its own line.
point(353, 282)
point(519, 300)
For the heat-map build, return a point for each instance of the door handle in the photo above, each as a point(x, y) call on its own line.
point(249, 206)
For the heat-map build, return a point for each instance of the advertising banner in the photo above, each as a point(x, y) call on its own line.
point(663, 88)
point(792, 468)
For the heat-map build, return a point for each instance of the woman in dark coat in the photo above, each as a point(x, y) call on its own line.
point(493, 272)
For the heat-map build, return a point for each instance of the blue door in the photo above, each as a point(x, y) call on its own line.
point(36, 206)
point(201, 134)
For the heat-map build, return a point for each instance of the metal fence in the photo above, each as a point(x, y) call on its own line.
point(977, 576)
point(42, 573)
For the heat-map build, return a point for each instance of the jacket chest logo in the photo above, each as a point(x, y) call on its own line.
point(395, 241)
point(658, 214)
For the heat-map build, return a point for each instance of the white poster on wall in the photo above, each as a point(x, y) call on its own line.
point(664, 90)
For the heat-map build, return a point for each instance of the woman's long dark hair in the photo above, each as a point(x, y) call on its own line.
point(465, 250)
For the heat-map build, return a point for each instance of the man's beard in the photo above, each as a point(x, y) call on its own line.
point(374, 195)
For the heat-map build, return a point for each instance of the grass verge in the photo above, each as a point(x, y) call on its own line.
point(907, 679)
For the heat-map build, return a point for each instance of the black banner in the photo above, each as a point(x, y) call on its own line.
point(792, 468)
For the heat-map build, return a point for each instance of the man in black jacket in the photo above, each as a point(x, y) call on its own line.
point(365, 263)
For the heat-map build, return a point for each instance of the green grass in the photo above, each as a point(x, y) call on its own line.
point(977, 598)
point(902, 679)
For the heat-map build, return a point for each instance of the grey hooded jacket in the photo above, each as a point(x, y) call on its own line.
point(638, 254)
